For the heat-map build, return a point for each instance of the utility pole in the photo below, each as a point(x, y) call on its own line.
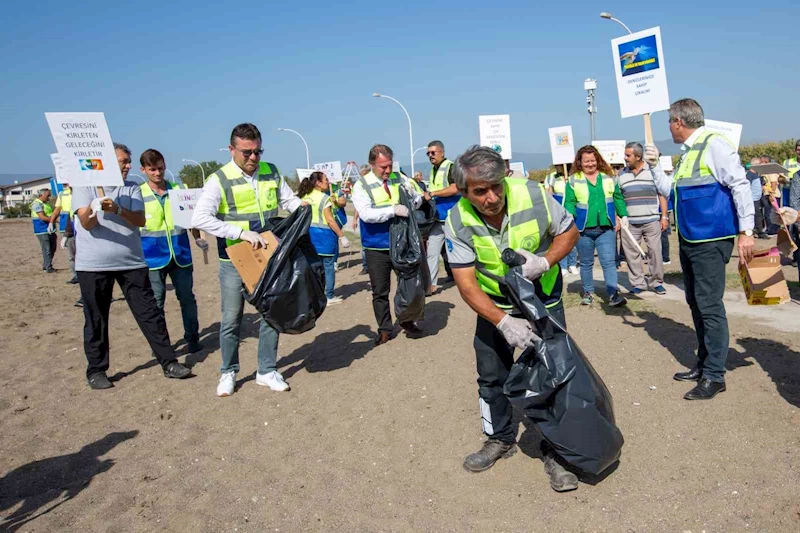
point(590, 85)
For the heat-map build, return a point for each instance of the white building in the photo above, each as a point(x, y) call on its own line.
point(21, 192)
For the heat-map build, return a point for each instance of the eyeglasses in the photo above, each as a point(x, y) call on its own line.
point(431, 153)
point(248, 153)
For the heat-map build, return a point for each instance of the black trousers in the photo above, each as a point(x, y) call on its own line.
point(379, 265)
point(96, 291)
point(759, 217)
point(703, 266)
point(447, 268)
point(494, 359)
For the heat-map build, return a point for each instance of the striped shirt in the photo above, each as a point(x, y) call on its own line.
point(641, 195)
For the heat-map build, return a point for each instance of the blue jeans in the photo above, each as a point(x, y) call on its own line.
point(364, 259)
point(230, 284)
point(605, 241)
point(570, 260)
point(183, 281)
point(328, 261)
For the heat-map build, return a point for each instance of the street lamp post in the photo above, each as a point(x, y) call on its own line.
point(199, 165)
point(410, 131)
point(590, 85)
point(608, 16)
point(308, 160)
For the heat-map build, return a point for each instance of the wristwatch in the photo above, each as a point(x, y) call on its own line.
point(119, 211)
point(746, 233)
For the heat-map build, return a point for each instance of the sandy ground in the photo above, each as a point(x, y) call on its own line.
point(372, 439)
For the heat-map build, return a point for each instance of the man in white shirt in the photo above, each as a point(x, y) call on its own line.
point(236, 204)
point(375, 198)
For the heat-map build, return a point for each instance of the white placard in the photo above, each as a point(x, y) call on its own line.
point(641, 73)
point(303, 173)
point(85, 148)
point(562, 145)
point(395, 166)
point(612, 151)
point(333, 169)
point(666, 163)
point(731, 130)
point(495, 132)
point(518, 167)
point(61, 176)
point(182, 202)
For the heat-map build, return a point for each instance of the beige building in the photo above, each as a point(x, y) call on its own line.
point(21, 192)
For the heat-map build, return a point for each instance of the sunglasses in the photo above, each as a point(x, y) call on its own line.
point(248, 153)
point(431, 153)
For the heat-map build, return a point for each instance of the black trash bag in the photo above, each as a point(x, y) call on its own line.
point(556, 386)
point(408, 258)
point(290, 295)
point(425, 217)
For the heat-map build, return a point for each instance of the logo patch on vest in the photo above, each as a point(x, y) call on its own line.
point(449, 245)
point(530, 243)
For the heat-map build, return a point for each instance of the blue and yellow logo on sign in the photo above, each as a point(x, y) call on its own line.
point(638, 56)
point(91, 164)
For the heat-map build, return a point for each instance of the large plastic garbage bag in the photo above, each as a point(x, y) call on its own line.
point(290, 295)
point(425, 217)
point(556, 386)
point(408, 258)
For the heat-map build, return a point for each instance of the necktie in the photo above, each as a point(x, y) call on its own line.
point(386, 188)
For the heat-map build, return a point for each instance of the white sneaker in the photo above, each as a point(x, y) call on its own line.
point(335, 300)
point(574, 270)
point(273, 380)
point(226, 384)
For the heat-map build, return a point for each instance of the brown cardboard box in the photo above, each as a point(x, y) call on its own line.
point(763, 279)
point(250, 263)
point(785, 243)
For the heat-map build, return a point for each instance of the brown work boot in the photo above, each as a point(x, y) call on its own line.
point(492, 450)
point(561, 479)
point(383, 338)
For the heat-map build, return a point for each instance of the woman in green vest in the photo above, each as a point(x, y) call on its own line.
point(594, 199)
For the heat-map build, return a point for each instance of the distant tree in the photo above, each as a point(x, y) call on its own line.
point(779, 151)
point(193, 177)
point(539, 174)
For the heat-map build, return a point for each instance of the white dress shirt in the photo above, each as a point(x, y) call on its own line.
point(726, 167)
point(205, 213)
point(376, 215)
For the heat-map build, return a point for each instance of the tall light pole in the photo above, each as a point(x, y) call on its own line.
point(199, 165)
point(308, 160)
point(410, 131)
point(589, 85)
point(608, 16)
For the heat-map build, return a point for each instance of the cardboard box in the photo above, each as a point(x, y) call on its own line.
point(785, 243)
point(250, 263)
point(763, 279)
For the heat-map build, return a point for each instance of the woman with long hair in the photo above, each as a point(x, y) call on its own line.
point(594, 199)
point(325, 232)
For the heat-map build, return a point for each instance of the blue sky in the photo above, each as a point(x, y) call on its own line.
point(177, 76)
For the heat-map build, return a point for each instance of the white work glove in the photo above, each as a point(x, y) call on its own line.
point(51, 228)
point(63, 243)
point(202, 244)
point(786, 215)
point(400, 211)
point(534, 265)
point(517, 332)
point(651, 155)
point(624, 222)
point(97, 206)
point(345, 242)
point(253, 238)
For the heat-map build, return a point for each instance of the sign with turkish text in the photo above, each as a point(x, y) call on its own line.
point(518, 169)
point(562, 145)
point(732, 131)
point(183, 203)
point(495, 132)
point(612, 151)
point(303, 173)
point(641, 73)
point(85, 150)
point(333, 169)
point(666, 163)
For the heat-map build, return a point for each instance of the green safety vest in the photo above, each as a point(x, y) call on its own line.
point(792, 166)
point(318, 201)
point(66, 209)
point(438, 181)
point(40, 226)
point(581, 188)
point(376, 236)
point(162, 241)
point(528, 223)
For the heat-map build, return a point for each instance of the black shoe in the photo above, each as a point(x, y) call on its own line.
point(448, 279)
point(762, 236)
point(561, 479)
point(177, 371)
point(383, 338)
point(363, 272)
point(73, 281)
point(193, 346)
point(99, 381)
point(617, 300)
point(705, 390)
point(79, 303)
point(412, 330)
point(51, 270)
point(692, 375)
point(488, 455)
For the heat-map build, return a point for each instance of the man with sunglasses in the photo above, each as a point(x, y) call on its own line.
point(444, 192)
point(236, 204)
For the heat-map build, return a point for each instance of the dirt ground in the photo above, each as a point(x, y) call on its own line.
point(372, 439)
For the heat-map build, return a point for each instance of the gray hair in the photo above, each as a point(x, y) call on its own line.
point(689, 112)
point(637, 148)
point(42, 191)
point(122, 148)
point(364, 169)
point(478, 163)
point(437, 144)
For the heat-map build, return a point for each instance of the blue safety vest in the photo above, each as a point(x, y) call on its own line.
point(376, 236)
point(322, 236)
point(437, 182)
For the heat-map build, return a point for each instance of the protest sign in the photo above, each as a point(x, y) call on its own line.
point(562, 145)
point(396, 166)
point(641, 73)
point(666, 163)
point(612, 151)
point(732, 131)
point(182, 202)
point(60, 175)
point(86, 152)
point(332, 169)
point(303, 173)
point(518, 167)
point(495, 132)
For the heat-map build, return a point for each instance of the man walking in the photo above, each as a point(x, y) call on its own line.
point(647, 218)
point(236, 205)
point(713, 205)
point(495, 213)
point(109, 249)
point(44, 229)
point(166, 246)
point(63, 214)
point(442, 189)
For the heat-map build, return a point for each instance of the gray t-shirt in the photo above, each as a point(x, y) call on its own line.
point(113, 244)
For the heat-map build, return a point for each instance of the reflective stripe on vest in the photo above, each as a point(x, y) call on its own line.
point(793, 167)
point(239, 205)
point(704, 208)
point(376, 236)
point(528, 223)
point(162, 240)
point(437, 182)
point(66, 209)
point(322, 236)
point(39, 225)
point(559, 185)
point(581, 187)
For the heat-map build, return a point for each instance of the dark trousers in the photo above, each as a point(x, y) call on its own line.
point(183, 282)
point(665, 244)
point(48, 243)
point(494, 359)
point(96, 291)
point(446, 262)
point(767, 209)
point(759, 217)
point(703, 266)
point(379, 265)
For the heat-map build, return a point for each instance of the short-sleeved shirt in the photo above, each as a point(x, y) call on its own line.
point(37, 207)
point(755, 185)
point(114, 244)
point(462, 253)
